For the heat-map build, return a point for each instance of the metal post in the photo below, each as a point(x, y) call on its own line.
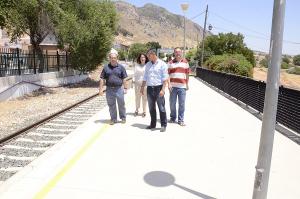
point(184, 7)
point(184, 42)
point(18, 61)
point(203, 37)
point(67, 61)
point(47, 62)
point(34, 65)
point(57, 60)
point(270, 107)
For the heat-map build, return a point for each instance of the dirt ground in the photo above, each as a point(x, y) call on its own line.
point(286, 79)
point(24, 111)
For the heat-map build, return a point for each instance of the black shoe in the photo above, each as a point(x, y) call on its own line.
point(163, 129)
point(181, 123)
point(112, 122)
point(150, 127)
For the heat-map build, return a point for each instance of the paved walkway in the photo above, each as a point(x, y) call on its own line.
point(214, 156)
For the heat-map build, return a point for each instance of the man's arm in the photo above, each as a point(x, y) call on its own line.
point(165, 78)
point(187, 77)
point(101, 87)
point(144, 81)
point(125, 85)
point(165, 84)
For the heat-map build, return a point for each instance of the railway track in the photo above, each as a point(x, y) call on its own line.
point(20, 148)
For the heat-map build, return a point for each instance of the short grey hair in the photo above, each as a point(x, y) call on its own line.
point(152, 51)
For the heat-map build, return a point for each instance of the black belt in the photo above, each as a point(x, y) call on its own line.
point(153, 87)
point(113, 86)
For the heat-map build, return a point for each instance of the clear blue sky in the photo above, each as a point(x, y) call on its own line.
point(253, 18)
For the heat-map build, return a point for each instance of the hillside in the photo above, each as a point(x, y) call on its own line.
point(154, 23)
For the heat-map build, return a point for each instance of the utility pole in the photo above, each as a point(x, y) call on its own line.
point(270, 107)
point(203, 37)
point(184, 7)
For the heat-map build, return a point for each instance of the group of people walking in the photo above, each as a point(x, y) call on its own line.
point(152, 77)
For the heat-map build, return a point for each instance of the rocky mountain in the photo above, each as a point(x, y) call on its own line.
point(154, 23)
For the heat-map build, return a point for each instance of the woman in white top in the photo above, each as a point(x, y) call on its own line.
point(139, 70)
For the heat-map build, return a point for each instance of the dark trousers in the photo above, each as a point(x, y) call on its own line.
point(153, 98)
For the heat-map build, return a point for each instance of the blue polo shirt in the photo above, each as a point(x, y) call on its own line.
point(113, 75)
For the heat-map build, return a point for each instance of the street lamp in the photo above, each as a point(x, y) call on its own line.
point(184, 7)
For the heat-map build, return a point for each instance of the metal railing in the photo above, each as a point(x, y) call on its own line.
point(252, 93)
point(17, 62)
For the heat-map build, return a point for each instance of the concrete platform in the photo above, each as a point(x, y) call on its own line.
point(214, 156)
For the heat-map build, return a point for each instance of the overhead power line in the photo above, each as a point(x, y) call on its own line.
point(198, 15)
point(262, 36)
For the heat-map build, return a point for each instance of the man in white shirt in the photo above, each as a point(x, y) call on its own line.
point(156, 78)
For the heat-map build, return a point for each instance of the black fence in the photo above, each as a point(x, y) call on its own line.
point(17, 62)
point(252, 93)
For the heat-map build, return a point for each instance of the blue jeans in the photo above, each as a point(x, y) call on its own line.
point(153, 98)
point(180, 93)
point(114, 94)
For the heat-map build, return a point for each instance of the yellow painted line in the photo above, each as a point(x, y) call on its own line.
point(52, 183)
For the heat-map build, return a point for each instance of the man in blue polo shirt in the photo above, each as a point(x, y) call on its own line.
point(156, 79)
point(114, 75)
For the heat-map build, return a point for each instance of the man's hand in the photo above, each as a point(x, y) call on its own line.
point(161, 93)
point(101, 93)
point(170, 88)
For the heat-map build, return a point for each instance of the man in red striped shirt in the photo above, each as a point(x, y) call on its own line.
point(178, 85)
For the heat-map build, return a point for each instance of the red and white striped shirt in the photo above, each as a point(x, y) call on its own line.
point(178, 72)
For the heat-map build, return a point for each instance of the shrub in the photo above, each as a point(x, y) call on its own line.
point(264, 62)
point(235, 64)
point(296, 60)
point(286, 59)
point(284, 65)
point(294, 70)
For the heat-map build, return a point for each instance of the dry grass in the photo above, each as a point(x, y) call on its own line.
point(286, 79)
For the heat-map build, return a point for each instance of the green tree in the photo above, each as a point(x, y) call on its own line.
point(135, 49)
point(153, 45)
point(31, 17)
point(123, 54)
point(296, 60)
point(88, 28)
point(228, 43)
point(5, 6)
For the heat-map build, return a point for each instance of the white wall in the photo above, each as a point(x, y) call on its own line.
point(16, 86)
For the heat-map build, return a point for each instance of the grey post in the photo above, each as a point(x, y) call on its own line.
point(270, 107)
point(184, 42)
point(184, 7)
point(203, 37)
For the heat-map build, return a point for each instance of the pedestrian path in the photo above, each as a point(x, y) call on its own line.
point(214, 156)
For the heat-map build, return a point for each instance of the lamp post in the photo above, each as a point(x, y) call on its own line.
point(270, 106)
point(184, 7)
point(203, 37)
